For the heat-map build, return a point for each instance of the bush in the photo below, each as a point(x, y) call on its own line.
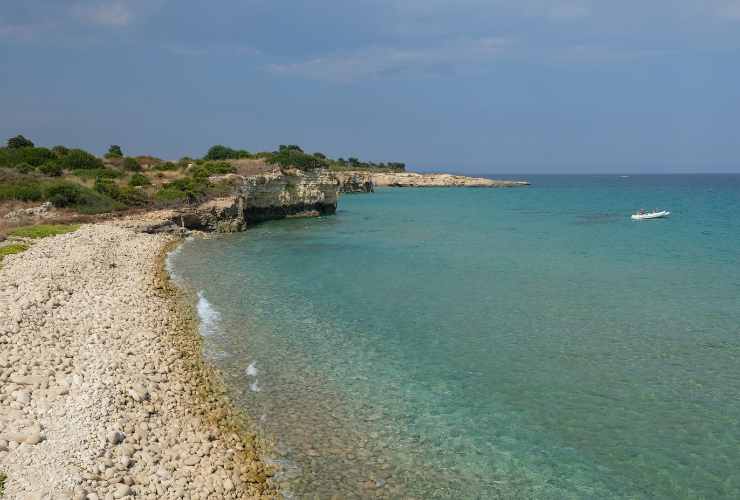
point(59, 151)
point(186, 189)
point(219, 152)
point(64, 194)
point(138, 180)
point(94, 173)
point(114, 151)
point(24, 168)
point(168, 165)
point(52, 169)
point(21, 190)
point(18, 142)
point(81, 198)
point(79, 159)
point(131, 164)
point(126, 195)
point(207, 169)
point(291, 156)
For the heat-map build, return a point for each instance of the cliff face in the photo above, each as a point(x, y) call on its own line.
point(355, 182)
point(288, 193)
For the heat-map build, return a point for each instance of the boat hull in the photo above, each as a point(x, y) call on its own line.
point(653, 215)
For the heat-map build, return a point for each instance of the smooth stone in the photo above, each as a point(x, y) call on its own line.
point(115, 437)
point(121, 491)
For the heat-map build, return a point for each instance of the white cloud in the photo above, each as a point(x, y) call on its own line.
point(383, 61)
point(106, 13)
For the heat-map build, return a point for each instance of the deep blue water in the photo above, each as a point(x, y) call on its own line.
point(490, 343)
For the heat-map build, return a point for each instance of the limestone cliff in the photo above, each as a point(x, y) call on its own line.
point(288, 193)
point(355, 182)
point(269, 195)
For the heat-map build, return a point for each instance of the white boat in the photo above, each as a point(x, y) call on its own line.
point(651, 215)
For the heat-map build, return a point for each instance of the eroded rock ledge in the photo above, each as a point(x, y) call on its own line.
point(277, 194)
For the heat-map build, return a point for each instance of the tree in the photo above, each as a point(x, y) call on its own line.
point(18, 142)
point(114, 151)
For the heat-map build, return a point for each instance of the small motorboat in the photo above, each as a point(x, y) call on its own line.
point(642, 215)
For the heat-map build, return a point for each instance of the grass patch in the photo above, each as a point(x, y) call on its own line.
point(10, 250)
point(43, 230)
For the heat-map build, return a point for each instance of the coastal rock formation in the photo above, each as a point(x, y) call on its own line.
point(410, 179)
point(103, 389)
point(220, 215)
point(288, 193)
point(355, 182)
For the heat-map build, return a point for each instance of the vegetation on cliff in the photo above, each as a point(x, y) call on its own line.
point(77, 179)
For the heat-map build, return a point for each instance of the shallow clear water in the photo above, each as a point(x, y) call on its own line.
point(477, 343)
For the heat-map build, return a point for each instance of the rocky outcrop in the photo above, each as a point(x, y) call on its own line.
point(288, 193)
point(409, 179)
point(221, 215)
point(276, 194)
point(355, 182)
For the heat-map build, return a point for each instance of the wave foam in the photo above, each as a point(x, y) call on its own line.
point(208, 316)
point(252, 369)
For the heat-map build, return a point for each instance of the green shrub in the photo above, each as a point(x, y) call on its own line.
point(168, 165)
point(43, 230)
point(138, 180)
point(292, 156)
point(94, 173)
point(52, 169)
point(59, 151)
point(24, 168)
point(186, 189)
point(19, 142)
point(21, 190)
point(210, 168)
point(126, 195)
point(12, 157)
point(79, 159)
point(131, 164)
point(220, 152)
point(64, 194)
point(81, 198)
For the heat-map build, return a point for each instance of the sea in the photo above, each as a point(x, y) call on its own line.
point(472, 343)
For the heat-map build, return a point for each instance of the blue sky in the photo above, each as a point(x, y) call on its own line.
point(467, 85)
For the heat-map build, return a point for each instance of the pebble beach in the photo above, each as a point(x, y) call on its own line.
point(104, 392)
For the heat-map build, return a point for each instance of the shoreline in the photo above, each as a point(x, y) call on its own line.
point(103, 394)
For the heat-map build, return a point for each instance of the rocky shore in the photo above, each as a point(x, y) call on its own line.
point(104, 393)
point(365, 182)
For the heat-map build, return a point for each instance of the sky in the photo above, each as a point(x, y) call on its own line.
point(471, 86)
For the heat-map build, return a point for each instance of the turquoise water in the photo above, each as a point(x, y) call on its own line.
point(477, 343)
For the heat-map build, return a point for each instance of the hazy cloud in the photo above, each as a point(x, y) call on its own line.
point(106, 13)
point(384, 61)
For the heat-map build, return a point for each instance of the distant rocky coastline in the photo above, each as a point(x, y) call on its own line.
point(366, 182)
